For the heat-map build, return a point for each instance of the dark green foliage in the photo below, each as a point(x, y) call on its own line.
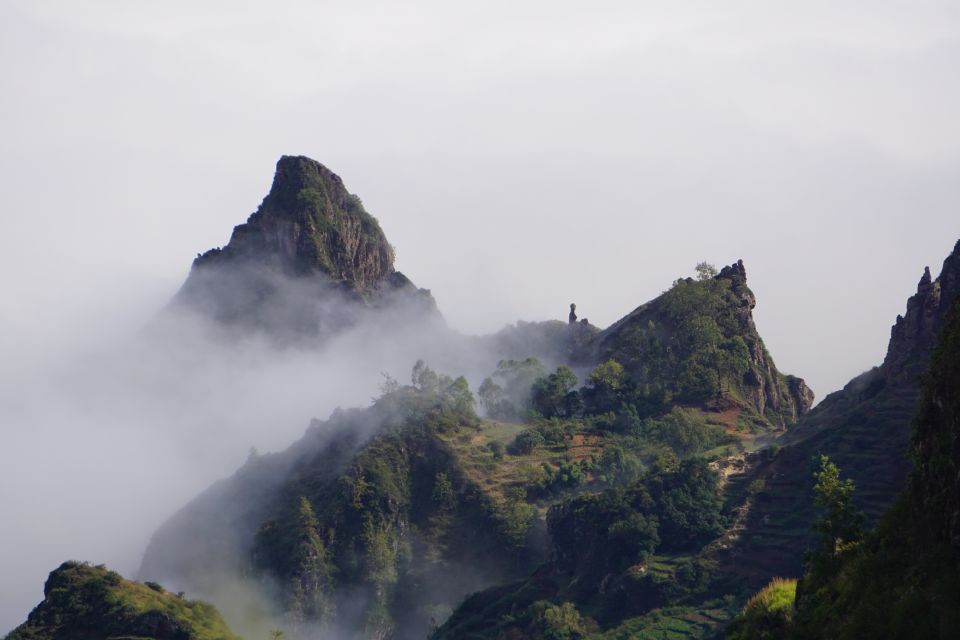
point(617, 528)
point(607, 388)
point(903, 579)
point(620, 466)
point(841, 524)
point(443, 494)
point(549, 394)
point(600, 547)
point(694, 345)
point(526, 442)
point(82, 601)
point(563, 622)
point(685, 433)
point(383, 527)
point(567, 476)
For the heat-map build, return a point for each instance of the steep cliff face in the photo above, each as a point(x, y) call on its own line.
point(902, 580)
point(915, 332)
point(865, 429)
point(936, 442)
point(309, 260)
point(310, 223)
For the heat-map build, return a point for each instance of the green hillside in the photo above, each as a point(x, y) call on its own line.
point(86, 602)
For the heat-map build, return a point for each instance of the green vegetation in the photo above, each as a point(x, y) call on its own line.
point(553, 396)
point(900, 580)
point(768, 614)
point(603, 568)
point(82, 601)
point(695, 345)
point(595, 507)
point(392, 515)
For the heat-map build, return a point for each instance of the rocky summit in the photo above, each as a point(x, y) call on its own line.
point(308, 261)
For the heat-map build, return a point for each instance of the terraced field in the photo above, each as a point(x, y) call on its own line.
point(868, 440)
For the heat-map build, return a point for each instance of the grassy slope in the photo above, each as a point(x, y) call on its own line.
point(88, 602)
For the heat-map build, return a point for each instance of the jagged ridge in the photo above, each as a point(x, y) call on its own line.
point(865, 428)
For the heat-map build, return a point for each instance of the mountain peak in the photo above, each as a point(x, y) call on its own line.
point(309, 242)
point(914, 333)
point(307, 223)
point(735, 272)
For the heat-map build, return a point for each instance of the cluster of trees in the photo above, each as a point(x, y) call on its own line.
point(610, 531)
point(608, 401)
point(692, 348)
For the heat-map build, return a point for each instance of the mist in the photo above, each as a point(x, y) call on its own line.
point(519, 157)
point(106, 441)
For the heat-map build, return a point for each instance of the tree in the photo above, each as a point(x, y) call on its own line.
point(456, 395)
point(705, 271)
point(443, 494)
point(491, 397)
point(311, 576)
point(511, 399)
point(526, 442)
point(423, 377)
point(841, 523)
point(548, 395)
point(606, 386)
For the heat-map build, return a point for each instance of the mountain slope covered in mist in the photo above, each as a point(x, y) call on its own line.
point(603, 468)
point(379, 521)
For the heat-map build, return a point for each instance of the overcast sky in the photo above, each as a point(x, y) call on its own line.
point(519, 155)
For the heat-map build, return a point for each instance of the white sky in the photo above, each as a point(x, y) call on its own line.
point(519, 155)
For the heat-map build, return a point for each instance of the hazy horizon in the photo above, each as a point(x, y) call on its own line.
point(519, 157)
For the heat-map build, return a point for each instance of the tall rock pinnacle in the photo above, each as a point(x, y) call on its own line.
point(307, 259)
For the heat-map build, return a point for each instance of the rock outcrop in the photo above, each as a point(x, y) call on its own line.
point(865, 429)
point(914, 333)
point(698, 343)
point(308, 261)
point(936, 441)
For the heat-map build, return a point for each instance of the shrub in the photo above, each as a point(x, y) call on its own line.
point(768, 614)
point(549, 393)
point(526, 442)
